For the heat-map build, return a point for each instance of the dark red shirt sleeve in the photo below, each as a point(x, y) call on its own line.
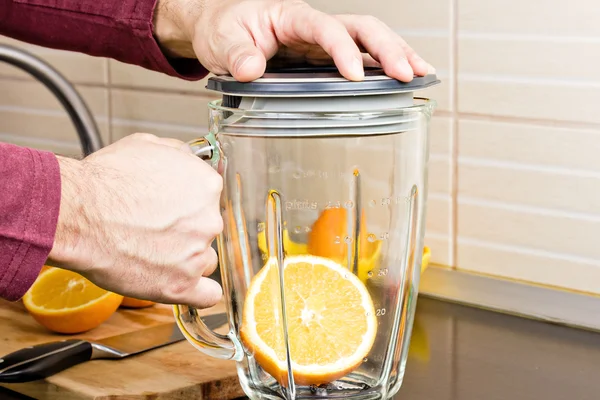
point(118, 29)
point(30, 179)
point(29, 206)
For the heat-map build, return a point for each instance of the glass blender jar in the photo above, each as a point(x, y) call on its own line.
point(323, 203)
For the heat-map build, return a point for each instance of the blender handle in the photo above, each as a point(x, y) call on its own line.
point(187, 318)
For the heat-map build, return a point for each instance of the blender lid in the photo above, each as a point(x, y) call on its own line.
point(313, 81)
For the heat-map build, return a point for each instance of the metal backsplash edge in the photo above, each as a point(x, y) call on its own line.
point(510, 297)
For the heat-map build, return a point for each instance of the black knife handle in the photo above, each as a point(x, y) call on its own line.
point(43, 360)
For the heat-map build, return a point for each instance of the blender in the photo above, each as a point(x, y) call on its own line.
point(323, 203)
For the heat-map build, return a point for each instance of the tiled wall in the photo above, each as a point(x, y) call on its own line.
point(515, 178)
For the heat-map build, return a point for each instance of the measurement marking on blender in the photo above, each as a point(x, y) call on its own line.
point(387, 201)
point(301, 205)
point(380, 312)
point(299, 174)
point(380, 273)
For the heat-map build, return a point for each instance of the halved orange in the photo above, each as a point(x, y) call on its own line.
point(66, 302)
point(131, 302)
point(330, 320)
point(328, 233)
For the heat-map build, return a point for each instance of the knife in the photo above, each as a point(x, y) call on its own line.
point(46, 359)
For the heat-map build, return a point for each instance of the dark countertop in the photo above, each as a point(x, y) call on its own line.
point(481, 355)
point(463, 353)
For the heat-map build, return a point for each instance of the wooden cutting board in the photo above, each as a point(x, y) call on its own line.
point(174, 372)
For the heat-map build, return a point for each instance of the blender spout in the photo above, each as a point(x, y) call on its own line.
point(71, 100)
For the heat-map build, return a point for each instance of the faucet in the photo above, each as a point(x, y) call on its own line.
point(78, 111)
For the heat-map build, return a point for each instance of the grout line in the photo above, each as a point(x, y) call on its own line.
point(506, 37)
point(43, 141)
point(438, 156)
point(530, 210)
point(45, 112)
point(529, 80)
point(520, 166)
point(530, 121)
point(438, 196)
point(526, 250)
point(159, 125)
point(454, 133)
point(158, 90)
point(436, 235)
point(423, 33)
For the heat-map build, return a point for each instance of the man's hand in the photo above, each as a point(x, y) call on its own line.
point(138, 218)
point(240, 36)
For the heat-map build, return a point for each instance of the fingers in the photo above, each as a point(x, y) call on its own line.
point(244, 60)
point(301, 23)
point(210, 263)
point(419, 66)
point(396, 57)
point(381, 43)
point(206, 294)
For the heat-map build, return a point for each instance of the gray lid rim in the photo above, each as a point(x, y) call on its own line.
point(306, 88)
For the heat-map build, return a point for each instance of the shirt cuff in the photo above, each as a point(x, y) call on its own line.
point(143, 26)
point(34, 221)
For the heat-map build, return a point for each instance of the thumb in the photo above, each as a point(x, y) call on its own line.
point(245, 61)
point(206, 294)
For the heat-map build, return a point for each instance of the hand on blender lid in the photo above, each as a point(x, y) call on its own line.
point(239, 37)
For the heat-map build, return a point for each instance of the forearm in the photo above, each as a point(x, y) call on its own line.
point(124, 30)
point(30, 192)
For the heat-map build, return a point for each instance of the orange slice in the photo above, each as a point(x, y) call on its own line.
point(328, 233)
point(330, 315)
point(426, 258)
point(66, 302)
point(130, 302)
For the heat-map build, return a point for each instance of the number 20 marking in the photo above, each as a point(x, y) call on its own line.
point(380, 312)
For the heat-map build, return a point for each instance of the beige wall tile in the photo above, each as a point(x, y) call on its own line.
point(441, 93)
point(167, 108)
point(45, 126)
point(524, 265)
point(549, 100)
point(434, 49)
point(530, 144)
point(63, 148)
point(440, 159)
point(440, 248)
point(536, 17)
point(552, 232)
point(425, 14)
point(127, 75)
point(547, 189)
point(438, 235)
point(536, 58)
point(120, 129)
point(440, 135)
point(438, 215)
point(76, 67)
point(440, 174)
point(34, 95)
